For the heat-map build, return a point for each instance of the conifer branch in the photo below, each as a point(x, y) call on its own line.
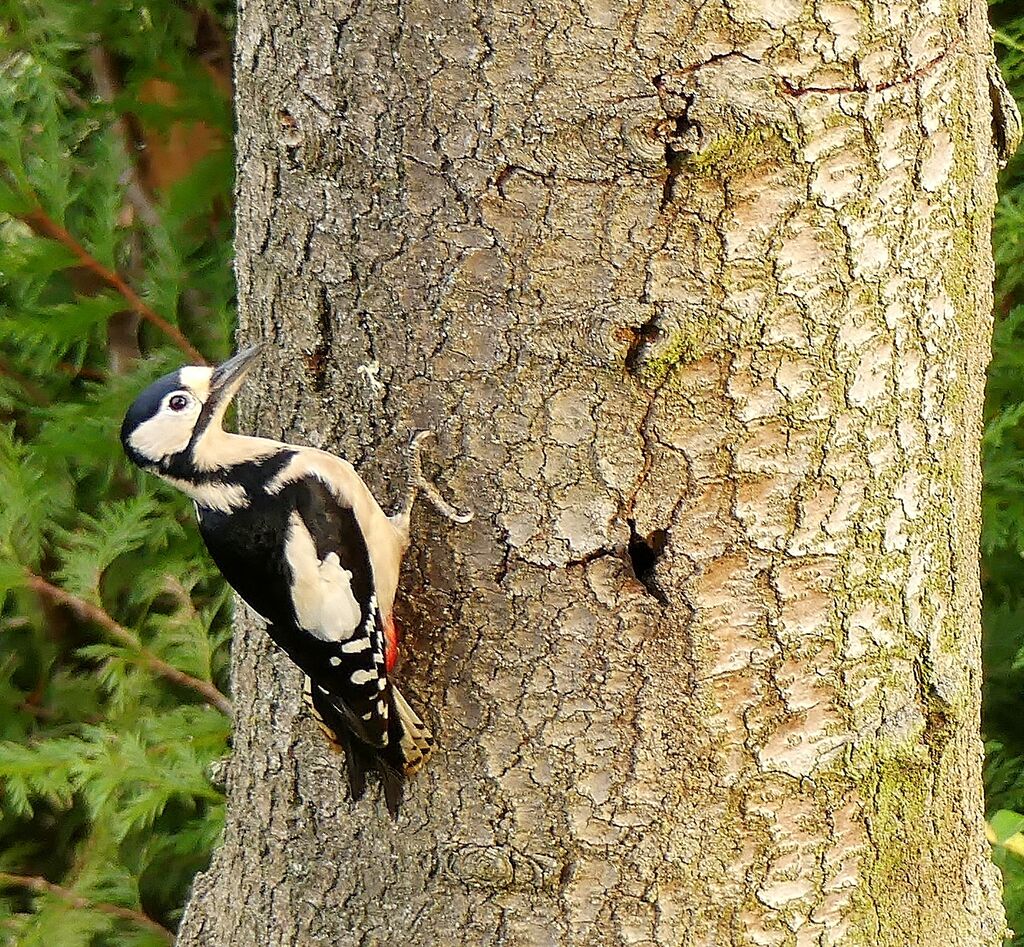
point(44, 225)
point(104, 81)
point(29, 388)
point(93, 613)
point(42, 886)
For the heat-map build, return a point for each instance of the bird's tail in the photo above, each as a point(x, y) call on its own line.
point(413, 737)
point(410, 743)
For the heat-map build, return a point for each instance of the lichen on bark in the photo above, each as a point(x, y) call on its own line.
point(709, 280)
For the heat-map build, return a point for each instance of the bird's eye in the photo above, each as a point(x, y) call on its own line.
point(178, 403)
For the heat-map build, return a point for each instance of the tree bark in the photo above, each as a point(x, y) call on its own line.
point(696, 296)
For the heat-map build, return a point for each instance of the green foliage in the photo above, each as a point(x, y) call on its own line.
point(1003, 509)
point(115, 184)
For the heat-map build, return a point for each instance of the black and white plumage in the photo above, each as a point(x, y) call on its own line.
point(300, 537)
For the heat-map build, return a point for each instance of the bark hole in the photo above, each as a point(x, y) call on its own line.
point(678, 128)
point(317, 360)
point(644, 552)
point(641, 338)
point(674, 159)
point(289, 133)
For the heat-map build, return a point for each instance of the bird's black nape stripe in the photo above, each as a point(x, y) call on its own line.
point(252, 475)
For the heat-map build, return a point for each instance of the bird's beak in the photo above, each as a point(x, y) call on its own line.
point(227, 377)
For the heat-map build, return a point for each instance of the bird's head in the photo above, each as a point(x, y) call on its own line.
point(172, 417)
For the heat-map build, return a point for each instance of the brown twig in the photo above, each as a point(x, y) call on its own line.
point(42, 886)
point(37, 710)
point(93, 613)
point(49, 714)
point(44, 225)
point(82, 371)
point(123, 327)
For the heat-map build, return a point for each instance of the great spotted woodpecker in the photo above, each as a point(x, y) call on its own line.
point(300, 537)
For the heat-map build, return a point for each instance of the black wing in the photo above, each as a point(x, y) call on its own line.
point(336, 634)
point(298, 557)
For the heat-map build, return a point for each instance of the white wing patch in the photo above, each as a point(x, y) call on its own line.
point(223, 497)
point(321, 590)
point(384, 543)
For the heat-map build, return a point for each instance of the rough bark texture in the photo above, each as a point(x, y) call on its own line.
point(696, 291)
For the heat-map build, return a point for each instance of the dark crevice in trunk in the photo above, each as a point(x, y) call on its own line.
point(644, 552)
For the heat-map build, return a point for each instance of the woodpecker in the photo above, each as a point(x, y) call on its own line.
point(297, 533)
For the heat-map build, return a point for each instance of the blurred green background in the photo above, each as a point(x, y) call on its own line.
point(115, 215)
point(115, 228)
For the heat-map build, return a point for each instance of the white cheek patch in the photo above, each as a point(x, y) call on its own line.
point(164, 435)
point(321, 591)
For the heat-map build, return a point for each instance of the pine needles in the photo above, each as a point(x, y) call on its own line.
point(115, 184)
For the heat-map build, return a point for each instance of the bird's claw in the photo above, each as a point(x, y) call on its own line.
point(418, 482)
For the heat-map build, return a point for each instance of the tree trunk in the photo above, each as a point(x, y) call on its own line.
point(696, 296)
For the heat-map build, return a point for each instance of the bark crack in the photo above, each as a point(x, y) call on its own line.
point(869, 88)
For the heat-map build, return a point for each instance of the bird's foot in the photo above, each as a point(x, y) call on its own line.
point(418, 483)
